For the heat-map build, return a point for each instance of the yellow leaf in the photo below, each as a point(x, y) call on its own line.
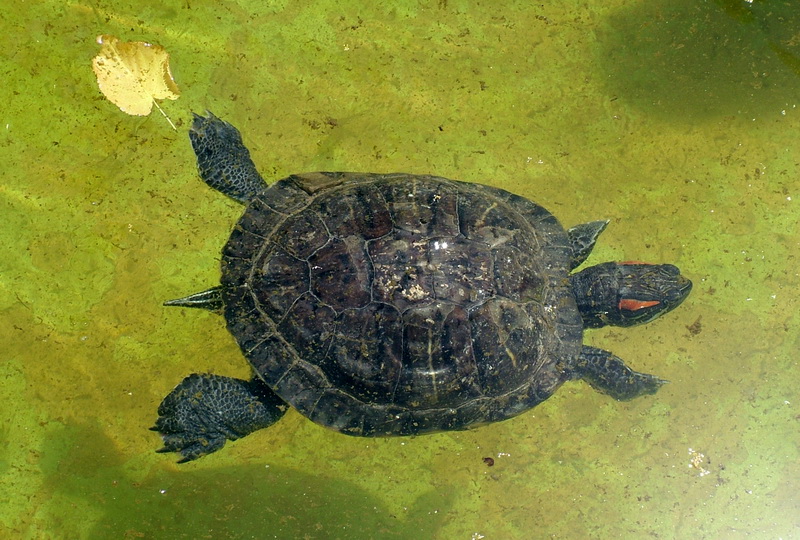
point(133, 74)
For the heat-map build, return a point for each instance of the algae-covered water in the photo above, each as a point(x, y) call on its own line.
point(677, 120)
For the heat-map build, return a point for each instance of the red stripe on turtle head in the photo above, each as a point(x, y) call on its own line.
point(631, 304)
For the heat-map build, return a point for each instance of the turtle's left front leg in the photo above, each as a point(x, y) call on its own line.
point(582, 239)
point(608, 374)
point(203, 411)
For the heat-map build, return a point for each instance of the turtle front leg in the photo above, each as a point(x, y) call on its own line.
point(582, 239)
point(608, 374)
point(203, 411)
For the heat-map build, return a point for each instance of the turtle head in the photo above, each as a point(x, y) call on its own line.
point(628, 293)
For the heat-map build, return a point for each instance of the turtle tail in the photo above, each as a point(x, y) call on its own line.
point(210, 299)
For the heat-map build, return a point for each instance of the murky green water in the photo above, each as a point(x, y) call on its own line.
point(677, 120)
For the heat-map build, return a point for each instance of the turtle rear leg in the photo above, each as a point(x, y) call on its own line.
point(223, 160)
point(203, 411)
point(608, 374)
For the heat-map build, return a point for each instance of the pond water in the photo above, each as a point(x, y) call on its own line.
point(676, 120)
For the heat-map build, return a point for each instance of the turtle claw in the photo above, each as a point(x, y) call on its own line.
point(191, 448)
point(165, 450)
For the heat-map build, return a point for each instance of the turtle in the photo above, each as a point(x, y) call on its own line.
point(399, 304)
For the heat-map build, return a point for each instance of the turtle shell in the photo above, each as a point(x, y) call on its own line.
point(399, 304)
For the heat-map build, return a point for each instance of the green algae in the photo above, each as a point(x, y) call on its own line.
point(693, 60)
point(676, 120)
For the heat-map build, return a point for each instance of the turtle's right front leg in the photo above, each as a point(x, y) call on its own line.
point(203, 411)
point(608, 374)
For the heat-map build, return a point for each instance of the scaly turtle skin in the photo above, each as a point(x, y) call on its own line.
point(398, 304)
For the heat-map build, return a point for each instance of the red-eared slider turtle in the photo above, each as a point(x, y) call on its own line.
point(398, 304)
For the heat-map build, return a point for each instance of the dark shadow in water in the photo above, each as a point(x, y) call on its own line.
point(247, 501)
point(689, 60)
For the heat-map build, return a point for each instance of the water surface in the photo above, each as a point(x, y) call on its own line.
point(678, 121)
